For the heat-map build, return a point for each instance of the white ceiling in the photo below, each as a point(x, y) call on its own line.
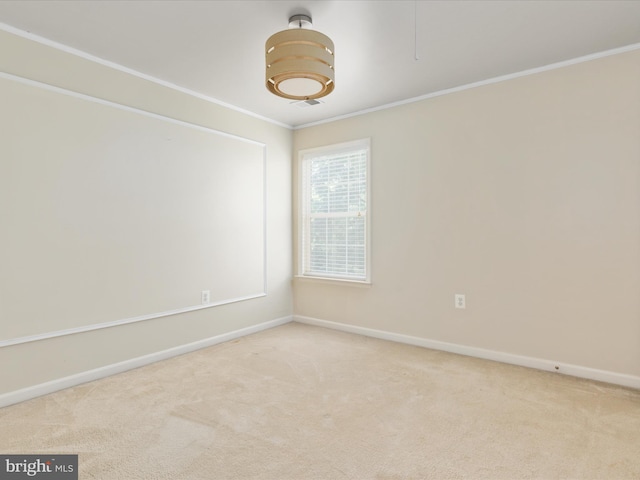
point(216, 48)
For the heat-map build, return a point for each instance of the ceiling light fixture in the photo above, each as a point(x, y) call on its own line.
point(299, 61)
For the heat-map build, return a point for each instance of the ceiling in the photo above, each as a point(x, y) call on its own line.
point(386, 51)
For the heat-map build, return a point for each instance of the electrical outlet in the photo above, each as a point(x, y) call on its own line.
point(460, 301)
point(206, 296)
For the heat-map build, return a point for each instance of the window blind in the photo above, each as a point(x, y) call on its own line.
point(335, 214)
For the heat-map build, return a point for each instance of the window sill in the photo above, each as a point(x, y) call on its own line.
point(333, 281)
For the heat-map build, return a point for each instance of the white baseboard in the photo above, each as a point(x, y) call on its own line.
point(71, 381)
point(531, 362)
point(28, 393)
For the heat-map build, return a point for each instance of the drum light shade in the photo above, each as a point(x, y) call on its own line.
point(299, 62)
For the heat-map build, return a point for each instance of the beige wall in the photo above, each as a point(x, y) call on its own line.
point(525, 196)
point(32, 363)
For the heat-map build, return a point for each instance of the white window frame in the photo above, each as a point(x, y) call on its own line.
point(304, 203)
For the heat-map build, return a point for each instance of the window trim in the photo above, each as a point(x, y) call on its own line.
point(333, 149)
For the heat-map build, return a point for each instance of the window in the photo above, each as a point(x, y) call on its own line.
point(334, 212)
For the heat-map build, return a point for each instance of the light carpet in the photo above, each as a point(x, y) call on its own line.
point(302, 402)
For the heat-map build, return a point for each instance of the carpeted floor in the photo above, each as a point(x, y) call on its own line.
point(301, 402)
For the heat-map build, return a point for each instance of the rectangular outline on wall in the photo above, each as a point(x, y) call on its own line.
point(124, 321)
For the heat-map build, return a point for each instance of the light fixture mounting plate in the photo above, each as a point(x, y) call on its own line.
point(300, 21)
